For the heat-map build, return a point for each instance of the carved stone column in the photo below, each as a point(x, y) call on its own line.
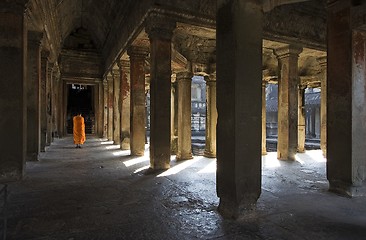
point(211, 116)
point(239, 97)
point(184, 80)
point(105, 108)
point(13, 100)
point(126, 104)
point(110, 107)
point(323, 105)
point(43, 98)
point(174, 116)
point(33, 95)
point(138, 114)
point(301, 119)
point(287, 101)
point(49, 103)
point(264, 120)
point(116, 102)
point(346, 95)
point(160, 31)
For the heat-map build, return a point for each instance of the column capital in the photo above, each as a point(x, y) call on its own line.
point(287, 51)
point(105, 82)
point(115, 72)
point(137, 52)
point(109, 77)
point(184, 76)
point(322, 61)
point(210, 78)
point(159, 26)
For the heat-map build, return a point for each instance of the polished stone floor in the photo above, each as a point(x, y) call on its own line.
point(100, 192)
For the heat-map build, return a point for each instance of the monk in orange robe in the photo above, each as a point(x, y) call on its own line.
point(79, 130)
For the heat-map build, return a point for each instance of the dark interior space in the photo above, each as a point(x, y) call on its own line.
point(79, 100)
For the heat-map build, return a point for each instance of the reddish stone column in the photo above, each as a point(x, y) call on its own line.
point(33, 96)
point(287, 101)
point(346, 84)
point(264, 120)
point(43, 98)
point(239, 97)
point(126, 104)
point(138, 114)
point(184, 80)
point(323, 105)
point(301, 119)
point(116, 105)
point(160, 31)
point(110, 107)
point(105, 108)
point(13, 105)
point(211, 116)
point(49, 103)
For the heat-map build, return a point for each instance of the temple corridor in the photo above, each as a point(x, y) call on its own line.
point(101, 192)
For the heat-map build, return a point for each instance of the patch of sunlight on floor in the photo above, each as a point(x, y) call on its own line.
point(106, 142)
point(141, 169)
point(179, 167)
point(135, 161)
point(316, 155)
point(298, 159)
point(209, 168)
point(113, 147)
point(270, 160)
point(121, 153)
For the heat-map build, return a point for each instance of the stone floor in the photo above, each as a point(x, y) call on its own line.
point(100, 192)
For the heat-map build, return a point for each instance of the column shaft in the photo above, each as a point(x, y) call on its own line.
point(160, 31)
point(33, 96)
point(49, 104)
point(184, 80)
point(110, 107)
point(211, 117)
point(13, 105)
point(105, 108)
point(126, 105)
point(43, 99)
point(346, 131)
point(301, 120)
point(138, 113)
point(264, 123)
point(323, 105)
point(287, 101)
point(116, 106)
point(239, 97)
point(174, 118)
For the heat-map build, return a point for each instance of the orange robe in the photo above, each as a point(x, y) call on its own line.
point(79, 129)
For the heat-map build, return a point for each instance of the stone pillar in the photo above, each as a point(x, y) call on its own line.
point(346, 71)
point(33, 95)
point(264, 120)
point(125, 108)
point(55, 96)
point(301, 119)
point(13, 105)
point(116, 105)
point(211, 116)
point(323, 105)
point(105, 108)
point(174, 116)
point(43, 98)
point(239, 97)
point(138, 114)
point(287, 101)
point(49, 103)
point(100, 114)
point(184, 80)
point(110, 107)
point(160, 31)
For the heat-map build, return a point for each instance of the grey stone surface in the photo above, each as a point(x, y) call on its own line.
point(100, 192)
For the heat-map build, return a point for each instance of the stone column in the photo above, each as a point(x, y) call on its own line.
point(287, 101)
point(110, 107)
point(43, 98)
point(323, 105)
point(346, 71)
point(100, 114)
point(264, 121)
point(125, 108)
point(239, 97)
point(160, 31)
point(116, 105)
point(301, 119)
point(13, 101)
point(174, 116)
point(49, 103)
point(33, 95)
point(138, 114)
point(55, 97)
point(184, 80)
point(105, 108)
point(211, 116)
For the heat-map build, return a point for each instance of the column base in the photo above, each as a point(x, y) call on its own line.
point(159, 166)
point(347, 190)
point(285, 157)
point(186, 156)
point(125, 144)
point(231, 210)
point(138, 153)
point(174, 145)
point(209, 154)
point(264, 152)
point(33, 157)
point(301, 150)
